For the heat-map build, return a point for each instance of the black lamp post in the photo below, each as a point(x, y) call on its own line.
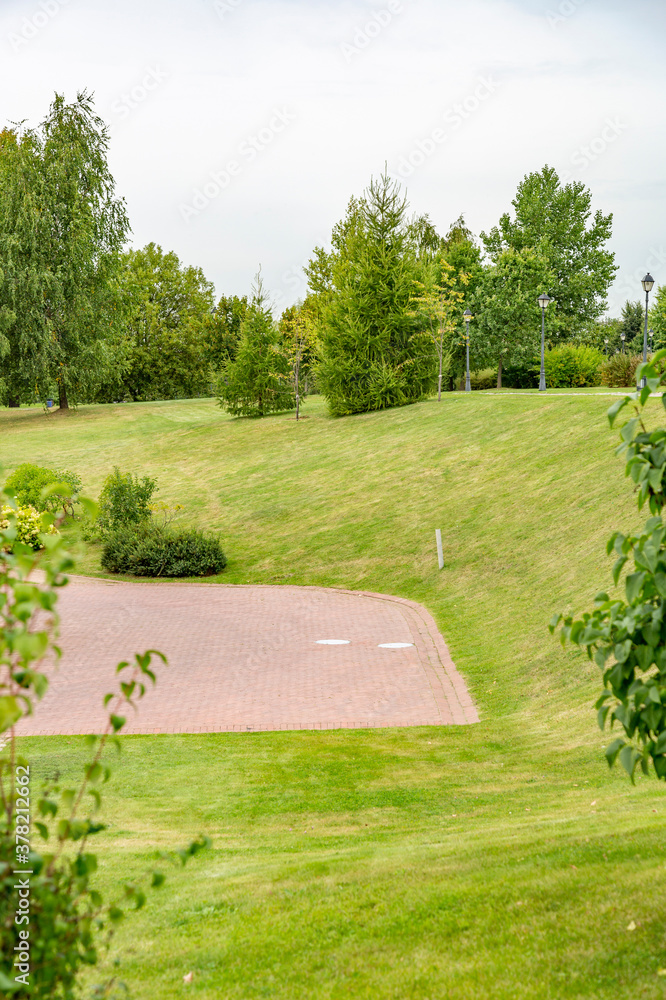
point(467, 316)
point(622, 336)
point(606, 343)
point(543, 300)
point(647, 283)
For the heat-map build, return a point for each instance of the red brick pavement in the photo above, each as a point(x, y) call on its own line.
point(246, 658)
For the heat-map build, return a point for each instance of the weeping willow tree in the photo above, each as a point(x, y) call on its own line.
point(374, 350)
point(61, 232)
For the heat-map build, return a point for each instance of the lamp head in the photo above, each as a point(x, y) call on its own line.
point(467, 315)
point(544, 300)
point(647, 282)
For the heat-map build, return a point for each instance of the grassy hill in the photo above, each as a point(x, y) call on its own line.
point(498, 861)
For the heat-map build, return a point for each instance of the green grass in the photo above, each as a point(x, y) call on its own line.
point(418, 863)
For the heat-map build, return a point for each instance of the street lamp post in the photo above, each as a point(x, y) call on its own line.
point(622, 336)
point(606, 343)
point(647, 283)
point(651, 336)
point(543, 301)
point(467, 316)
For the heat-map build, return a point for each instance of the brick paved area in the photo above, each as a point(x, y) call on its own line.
point(246, 658)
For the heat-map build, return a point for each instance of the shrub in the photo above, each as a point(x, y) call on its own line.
point(572, 366)
point(153, 550)
point(27, 482)
point(485, 379)
point(620, 370)
point(28, 525)
point(48, 939)
point(124, 501)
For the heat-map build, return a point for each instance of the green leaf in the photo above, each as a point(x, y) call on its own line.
point(616, 408)
point(8, 985)
point(618, 567)
point(10, 712)
point(633, 586)
point(629, 757)
point(613, 749)
point(117, 722)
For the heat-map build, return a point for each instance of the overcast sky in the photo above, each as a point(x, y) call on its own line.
point(240, 128)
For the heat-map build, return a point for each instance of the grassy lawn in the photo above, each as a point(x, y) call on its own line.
point(501, 860)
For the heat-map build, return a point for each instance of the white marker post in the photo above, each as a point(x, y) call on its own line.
point(440, 551)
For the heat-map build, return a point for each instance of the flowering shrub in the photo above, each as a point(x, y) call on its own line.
point(28, 525)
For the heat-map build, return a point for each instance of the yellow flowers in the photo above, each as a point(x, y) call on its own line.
point(28, 525)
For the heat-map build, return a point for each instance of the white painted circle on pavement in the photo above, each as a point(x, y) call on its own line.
point(395, 645)
point(332, 642)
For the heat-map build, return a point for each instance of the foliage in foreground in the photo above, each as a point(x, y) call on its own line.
point(154, 550)
point(53, 919)
point(627, 638)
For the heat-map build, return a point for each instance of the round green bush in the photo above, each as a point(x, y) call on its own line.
point(152, 550)
point(572, 365)
point(27, 482)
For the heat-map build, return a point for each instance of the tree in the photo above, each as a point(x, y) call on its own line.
point(87, 228)
point(633, 318)
point(374, 353)
point(258, 380)
point(507, 318)
point(440, 308)
point(298, 344)
point(26, 279)
point(657, 317)
point(222, 332)
point(557, 223)
point(166, 319)
point(626, 638)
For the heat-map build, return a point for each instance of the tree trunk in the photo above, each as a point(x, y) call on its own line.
point(62, 396)
point(499, 372)
point(14, 402)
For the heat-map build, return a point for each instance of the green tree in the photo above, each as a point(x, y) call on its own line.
point(657, 317)
point(557, 223)
point(507, 319)
point(167, 317)
point(222, 333)
point(258, 380)
point(374, 352)
point(26, 279)
point(87, 228)
point(633, 318)
point(298, 345)
point(440, 308)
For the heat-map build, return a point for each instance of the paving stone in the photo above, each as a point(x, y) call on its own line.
point(246, 658)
